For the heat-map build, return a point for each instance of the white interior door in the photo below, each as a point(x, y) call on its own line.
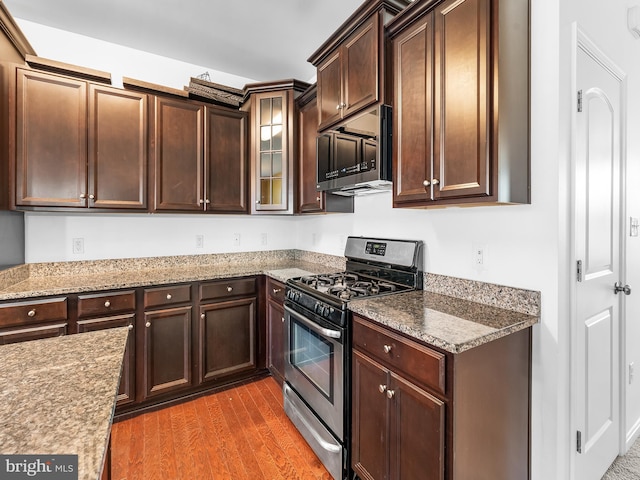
point(596, 358)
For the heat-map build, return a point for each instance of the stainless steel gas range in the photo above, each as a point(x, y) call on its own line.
point(318, 339)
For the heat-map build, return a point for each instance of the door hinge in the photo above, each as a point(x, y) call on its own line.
point(579, 441)
point(579, 270)
point(579, 100)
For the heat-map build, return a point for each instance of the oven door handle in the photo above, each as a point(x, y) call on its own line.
point(329, 447)
point(327, 332)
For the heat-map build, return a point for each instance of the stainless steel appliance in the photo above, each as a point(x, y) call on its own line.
point(318, 339)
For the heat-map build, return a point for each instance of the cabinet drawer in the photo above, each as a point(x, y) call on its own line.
point(157, 297)
point(106, 303)
point(275, 289)
point(20, 313)
point(227, 288)
point(416, 361)
point(36, 332)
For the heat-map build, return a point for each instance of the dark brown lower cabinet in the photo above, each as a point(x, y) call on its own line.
point(167, 350)
point(126, 391)
point(226, 338)
point(419, 413)
point(398, 427)
point(275, 329)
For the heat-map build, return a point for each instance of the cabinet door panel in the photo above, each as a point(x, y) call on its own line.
point(361, 68)
point(370, 413)
point(330, 90)
point(178, 155)
point(275, 340)
point(51, 134)
point(117, 148)
point(226, 161)
point(309, 199)
point(126, 391)
point(462, 89)
point(417, 432)
point(413, 112)
point(167, 350)
point(227, 338)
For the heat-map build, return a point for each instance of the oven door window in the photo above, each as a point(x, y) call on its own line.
point(312, 355)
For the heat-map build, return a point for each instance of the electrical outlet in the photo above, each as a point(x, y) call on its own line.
point(480, 256)
point(236, 239)
point(199, 241)
point(263, 239)
point(77, 245)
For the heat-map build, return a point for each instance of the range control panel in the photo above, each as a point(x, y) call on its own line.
point(376, 248)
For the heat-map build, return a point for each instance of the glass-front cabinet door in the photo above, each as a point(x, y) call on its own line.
point(270, 153)
point(270, 181)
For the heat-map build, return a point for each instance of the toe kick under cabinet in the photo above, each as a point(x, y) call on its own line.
point(421, 413)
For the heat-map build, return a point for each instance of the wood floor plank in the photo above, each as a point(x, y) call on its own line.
point(237, 434)
point(167, 451)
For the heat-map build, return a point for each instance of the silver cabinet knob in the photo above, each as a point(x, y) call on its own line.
point(282, 319)
point(107, 304)
point(92, 197)
point(276, 291)
point(257, 202)
point(169, 297)
point(32, 312)
point(317, 199)
point(386, 348)
point(390, 393)
point(338, 106)
point(207, 201)
point(426, 183)
point(435, 181)
point(229, 288)
point(148, 324)
point(382, 388)
point(203, 316)
point(130, 326)
point(201, 201)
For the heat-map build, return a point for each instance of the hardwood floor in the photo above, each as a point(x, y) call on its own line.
point(240, 433)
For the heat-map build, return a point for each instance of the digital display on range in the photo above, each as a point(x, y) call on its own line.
point(376, 248)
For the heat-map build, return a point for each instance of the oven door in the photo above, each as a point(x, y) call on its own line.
point(314, 365)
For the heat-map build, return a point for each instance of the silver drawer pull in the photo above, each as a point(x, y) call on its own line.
point(229, 288)
point(276, 291)
point(107, 304)
point(148, 324)
point(203, 316)
point(32, 312)
point(390, 393)
point(130, 326)
point(169, 296)
point(382, 388)
point(386, 348)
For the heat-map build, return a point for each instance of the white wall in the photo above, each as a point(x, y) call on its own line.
point(527, 245)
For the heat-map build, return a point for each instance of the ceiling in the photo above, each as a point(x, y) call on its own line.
point(256, 39)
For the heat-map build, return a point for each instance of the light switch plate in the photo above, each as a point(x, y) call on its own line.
point(633, 227)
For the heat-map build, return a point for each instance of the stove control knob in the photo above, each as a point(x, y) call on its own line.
point(325, 311)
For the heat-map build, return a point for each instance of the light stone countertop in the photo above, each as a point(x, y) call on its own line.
point(42, 284)
point(57, 396)
point(452, 324)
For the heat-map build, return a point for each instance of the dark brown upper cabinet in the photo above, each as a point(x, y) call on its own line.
point(351, 64)
point(274, 133)
point(78, 144)
point(200, 159)
point(460, 103)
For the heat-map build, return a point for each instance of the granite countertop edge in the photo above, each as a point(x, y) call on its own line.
point(451, 324)
point(67, 284)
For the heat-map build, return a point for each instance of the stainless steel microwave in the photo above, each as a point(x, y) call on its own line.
point(354, 157)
